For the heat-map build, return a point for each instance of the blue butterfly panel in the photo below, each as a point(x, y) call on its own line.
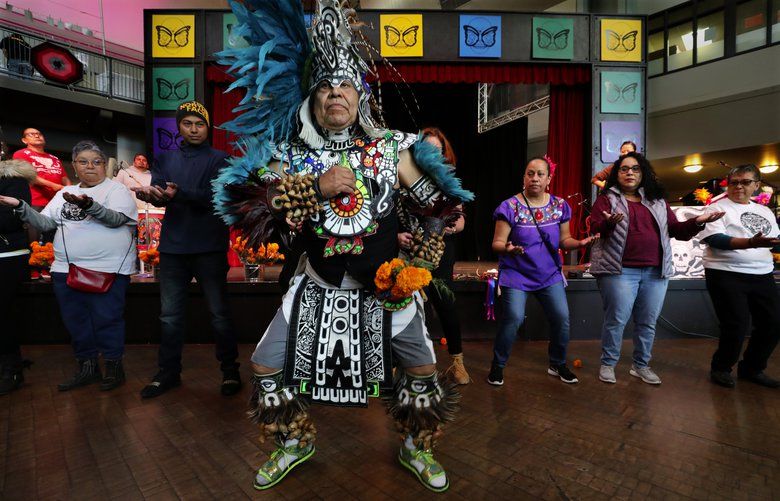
point(621, 92)
point(480, 36)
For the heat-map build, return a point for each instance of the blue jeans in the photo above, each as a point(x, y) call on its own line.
point(176, 273)
point(553, 301)
point(637, 290)
point(95, 321)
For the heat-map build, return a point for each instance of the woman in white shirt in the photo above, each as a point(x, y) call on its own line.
point(739, 271)
point(95, 223)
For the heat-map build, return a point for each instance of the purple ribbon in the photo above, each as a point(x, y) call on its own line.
point(490, 298)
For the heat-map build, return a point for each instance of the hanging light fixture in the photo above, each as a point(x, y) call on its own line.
point(693, 168)
point(768, 169)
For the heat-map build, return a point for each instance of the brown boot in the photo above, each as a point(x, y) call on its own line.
point(457, 371)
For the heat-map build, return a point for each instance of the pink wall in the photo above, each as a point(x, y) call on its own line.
point(123, 18)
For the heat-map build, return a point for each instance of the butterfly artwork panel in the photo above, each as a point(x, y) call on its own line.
point(621, 40)
point(480, 36)
point(171, 87)
point(230, 39)
point(621, 92)
point(401, 35)
point(165, 135)
point(614, 133)
point(553, 38)
point(173, 35)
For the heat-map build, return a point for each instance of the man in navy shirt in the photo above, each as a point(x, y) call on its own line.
point(193, 243)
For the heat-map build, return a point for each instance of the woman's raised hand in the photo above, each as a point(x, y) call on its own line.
point(9, 201)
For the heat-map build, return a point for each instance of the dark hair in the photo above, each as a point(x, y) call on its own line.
point(446, 148)
point(744, 169)
point(537, 158)
point(139, 155)
point(633, 144)
point(653, 188)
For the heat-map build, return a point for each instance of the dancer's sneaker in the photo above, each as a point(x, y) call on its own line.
point(496, 376)
point(426, 469)
point(282, 460)
point(563, 372)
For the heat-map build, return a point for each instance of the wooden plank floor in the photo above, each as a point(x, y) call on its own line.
point(532, 438)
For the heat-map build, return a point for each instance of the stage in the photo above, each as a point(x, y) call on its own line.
point(533, 438)
point(687, 310)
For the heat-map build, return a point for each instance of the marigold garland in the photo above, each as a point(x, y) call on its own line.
point(150, 256)
point(42, 256)
point(397, 280)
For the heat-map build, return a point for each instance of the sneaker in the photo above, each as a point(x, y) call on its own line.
point(114, 376)
point(282, 460)
point(231, 382)
point(161, 383)
point(35, 274)
point(427, 470)
point(607, 374)
point(496, 376)
point(45, 275)
point(88, 373)
point(759, 378)
point(722, 378)
point(563, 372)
point(457, 371)
point(646, 374)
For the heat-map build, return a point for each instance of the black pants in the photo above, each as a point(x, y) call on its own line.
point(13, 271)
point(176, 273)
point(448, 315)
point(737, 297)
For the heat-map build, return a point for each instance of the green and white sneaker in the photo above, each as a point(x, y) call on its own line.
point(428, 470)
point(282, 460)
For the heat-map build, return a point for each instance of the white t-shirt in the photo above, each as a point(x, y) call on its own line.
point(740, 221)
point(91, 244)
point(135, 178)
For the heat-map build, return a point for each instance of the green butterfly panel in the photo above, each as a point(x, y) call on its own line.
point(171, 87)
point(553, 38)
point(621, 92)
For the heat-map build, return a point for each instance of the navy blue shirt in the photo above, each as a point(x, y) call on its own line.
point(190, 225)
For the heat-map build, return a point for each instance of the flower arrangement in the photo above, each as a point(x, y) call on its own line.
point(150, 256)
point(763, 198)
point(42, 256)
point(703, 196)
point(396, 281)
point(265, 254)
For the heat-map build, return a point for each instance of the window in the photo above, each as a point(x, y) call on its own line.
point(679, 46)
point(776, 21)
point(655, 53)
point(709, 37)
point(751, 25)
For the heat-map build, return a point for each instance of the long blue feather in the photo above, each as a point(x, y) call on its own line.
point(430, 160)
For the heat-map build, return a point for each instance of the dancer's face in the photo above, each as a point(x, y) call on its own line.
point(335, 108)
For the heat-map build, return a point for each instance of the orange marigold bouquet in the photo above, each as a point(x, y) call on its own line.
point(42, 256)
point(396, 281)
point(150, 256)
point(264, 254)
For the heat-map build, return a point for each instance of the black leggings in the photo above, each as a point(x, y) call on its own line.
point(13, 271)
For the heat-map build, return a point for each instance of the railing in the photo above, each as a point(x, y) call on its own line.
point(103, 75)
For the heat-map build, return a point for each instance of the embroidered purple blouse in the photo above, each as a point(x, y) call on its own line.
point(536, 268)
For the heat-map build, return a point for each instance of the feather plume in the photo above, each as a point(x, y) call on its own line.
point(430, 160)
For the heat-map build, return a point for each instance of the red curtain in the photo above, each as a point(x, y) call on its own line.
point(568, 129)
point(554, 74)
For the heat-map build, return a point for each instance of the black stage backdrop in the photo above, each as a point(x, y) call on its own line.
point(489, 164)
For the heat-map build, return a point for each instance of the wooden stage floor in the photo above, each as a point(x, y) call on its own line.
point(533, 438)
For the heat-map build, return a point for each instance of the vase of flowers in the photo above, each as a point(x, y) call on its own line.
point(256, 259)
point(151, 257)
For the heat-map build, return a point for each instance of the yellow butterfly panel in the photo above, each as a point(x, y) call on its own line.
point(401, 35)
point(621, 40)
point(173, 35)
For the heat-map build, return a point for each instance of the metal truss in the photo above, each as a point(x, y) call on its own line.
point(484, 124)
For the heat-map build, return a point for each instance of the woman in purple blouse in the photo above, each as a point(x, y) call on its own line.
point(530, 228)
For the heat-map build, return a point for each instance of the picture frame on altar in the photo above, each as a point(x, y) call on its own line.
point(480, 36)
point(621, 40)
point(553, 38)
point(172, 86)
point(173, 36)
point(614, 133)
point(165, 135)
point(401, 35)
point(621, 92)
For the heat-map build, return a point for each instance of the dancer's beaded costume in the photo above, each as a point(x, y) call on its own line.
point(333, 339)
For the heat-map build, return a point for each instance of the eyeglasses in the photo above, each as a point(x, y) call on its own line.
point(634, 168)
point(34, 134)
point(742, 182)
point(98, 162)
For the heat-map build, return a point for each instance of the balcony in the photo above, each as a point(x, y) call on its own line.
point(103, 76)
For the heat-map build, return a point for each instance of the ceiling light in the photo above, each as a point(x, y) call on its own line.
point(768, 169)
point(691, 169)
